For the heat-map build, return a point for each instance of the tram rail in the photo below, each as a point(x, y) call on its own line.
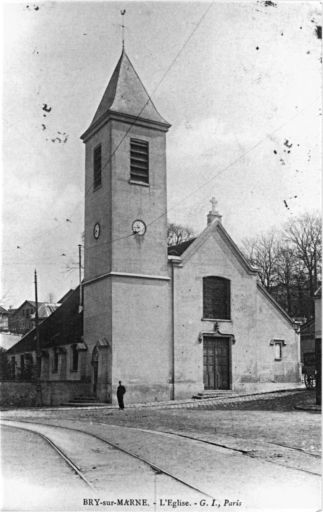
point(195, 438)
point(156, 468)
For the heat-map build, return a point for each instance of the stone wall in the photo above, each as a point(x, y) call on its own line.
point(17, 394)
point(23, 394)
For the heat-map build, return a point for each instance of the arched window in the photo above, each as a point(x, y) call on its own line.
point(216, 298)
point(74, 358)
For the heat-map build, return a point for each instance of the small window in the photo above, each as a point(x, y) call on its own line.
point(139, 161)
point(278, 350)
point(55, 361)
point(97, 167)
point(216, 298)
point(74, 358)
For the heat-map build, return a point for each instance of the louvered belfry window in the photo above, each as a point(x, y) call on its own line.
point(139, 160)
point(97, 167)
point(216, 298)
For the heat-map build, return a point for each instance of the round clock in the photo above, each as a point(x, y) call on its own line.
point(96, 231)
point(138, 227)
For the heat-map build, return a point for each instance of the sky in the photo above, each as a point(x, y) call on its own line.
point(240, 83)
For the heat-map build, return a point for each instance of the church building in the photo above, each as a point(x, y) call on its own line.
point(169, 322)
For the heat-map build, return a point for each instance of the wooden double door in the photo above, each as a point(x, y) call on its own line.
point(216, 362)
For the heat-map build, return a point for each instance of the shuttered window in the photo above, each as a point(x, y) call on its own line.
point(97, 167)
point(216, 298)
point(139, 160)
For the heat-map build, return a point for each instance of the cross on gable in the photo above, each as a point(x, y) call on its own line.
point(214, 202)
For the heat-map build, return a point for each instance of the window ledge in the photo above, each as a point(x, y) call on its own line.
point(141, 183)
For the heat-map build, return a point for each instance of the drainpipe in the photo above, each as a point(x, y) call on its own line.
point(80, 278)
point(172, 393)
point(175, 261)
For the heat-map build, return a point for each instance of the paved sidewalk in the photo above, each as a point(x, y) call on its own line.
point(191, 403)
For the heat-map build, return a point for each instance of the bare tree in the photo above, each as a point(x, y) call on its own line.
point(287, 270)
point(289, 262)
point(304, 236)
point(176, 233)
point(262, 253)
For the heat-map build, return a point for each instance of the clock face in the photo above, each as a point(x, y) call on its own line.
point(138, 227)
point(96, 230)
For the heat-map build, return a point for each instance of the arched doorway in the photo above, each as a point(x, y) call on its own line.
point(101, 362)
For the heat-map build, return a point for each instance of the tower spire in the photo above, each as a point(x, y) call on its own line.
point(123, 12)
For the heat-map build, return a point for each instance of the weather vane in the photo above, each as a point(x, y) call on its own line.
point(123, 12)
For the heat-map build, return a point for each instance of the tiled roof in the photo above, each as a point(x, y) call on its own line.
point(3, 310)
point(126, 94)
point(64, 326)
point(177, 250)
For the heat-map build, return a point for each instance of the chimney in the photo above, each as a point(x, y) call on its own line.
point(213, 214)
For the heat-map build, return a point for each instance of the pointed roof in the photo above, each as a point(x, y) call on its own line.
point(126, 94)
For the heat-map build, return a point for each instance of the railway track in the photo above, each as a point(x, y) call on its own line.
point(103, 456)
point(242, 451)
point(58, 450)
point(158, 470)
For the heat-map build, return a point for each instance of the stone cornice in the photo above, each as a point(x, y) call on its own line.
point(125, 274)
point(126, 118)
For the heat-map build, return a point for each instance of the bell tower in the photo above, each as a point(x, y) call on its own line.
point(126, 281)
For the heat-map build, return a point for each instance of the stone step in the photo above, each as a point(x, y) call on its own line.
point(73, 403)
point(215, 394)
point(84, 399)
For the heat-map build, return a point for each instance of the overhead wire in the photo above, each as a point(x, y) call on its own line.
point(206, 182)
point(138, 115)
point(134, 122)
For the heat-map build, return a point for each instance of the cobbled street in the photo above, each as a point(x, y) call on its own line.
point(253, 449)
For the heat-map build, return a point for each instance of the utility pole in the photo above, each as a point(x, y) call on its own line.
point(80, 278)
point(38, 353)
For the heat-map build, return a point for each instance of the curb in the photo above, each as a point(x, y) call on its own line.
point(174, 404)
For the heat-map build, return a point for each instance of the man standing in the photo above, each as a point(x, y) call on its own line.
point(120, 392)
